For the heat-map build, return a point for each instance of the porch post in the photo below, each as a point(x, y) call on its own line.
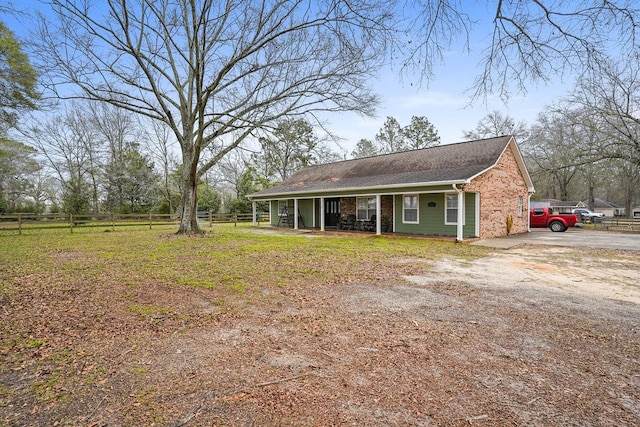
point(295, 214)
point(528, 214)
point(253, 209)
point(321, 213)
point(378, 215)
point(460, 221)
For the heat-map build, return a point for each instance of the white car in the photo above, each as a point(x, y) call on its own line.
point(588, 215)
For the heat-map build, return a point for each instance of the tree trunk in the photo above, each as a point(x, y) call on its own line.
point(189, 217)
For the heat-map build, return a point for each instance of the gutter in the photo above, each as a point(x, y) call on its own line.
point(336, 192)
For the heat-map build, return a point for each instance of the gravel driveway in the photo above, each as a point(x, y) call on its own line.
point(576, 238)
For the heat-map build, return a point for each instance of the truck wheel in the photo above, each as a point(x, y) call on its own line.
point(557, 226)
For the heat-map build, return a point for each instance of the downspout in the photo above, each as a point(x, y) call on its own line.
point(460, 219)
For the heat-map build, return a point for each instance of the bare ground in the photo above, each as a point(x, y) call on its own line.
point(533, 336)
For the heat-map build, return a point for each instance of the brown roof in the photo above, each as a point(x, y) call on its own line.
point(441, 164)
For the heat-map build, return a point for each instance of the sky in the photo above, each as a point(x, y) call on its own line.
point(445, 103)
point(442, 100)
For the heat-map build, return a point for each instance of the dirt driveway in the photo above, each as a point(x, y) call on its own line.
point(529, 336)
point(533, 336)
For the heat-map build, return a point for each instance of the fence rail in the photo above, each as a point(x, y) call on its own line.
point(617, 224)
point(24, 221)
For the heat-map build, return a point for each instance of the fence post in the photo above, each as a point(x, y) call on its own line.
point(19, 224)
point(210, 219)
point(71, 222)
point(149, 220)
point(235, 220)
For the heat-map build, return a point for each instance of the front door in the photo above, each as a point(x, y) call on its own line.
point(331, 212)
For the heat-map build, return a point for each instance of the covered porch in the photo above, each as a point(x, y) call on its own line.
point(430, 212)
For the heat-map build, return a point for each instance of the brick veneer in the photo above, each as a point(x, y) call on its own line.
point(348, 206)
point(499, 190)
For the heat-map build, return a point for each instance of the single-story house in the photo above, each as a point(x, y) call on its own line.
point(609, 209)
point(475, 189)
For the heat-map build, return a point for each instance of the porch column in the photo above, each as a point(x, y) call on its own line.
point(321, 213)
point(253, 209)
point(378, 214)
point(295, 214)
point(460, 221)
point(528, 214)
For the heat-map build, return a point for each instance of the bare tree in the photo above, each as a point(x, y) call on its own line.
point(70, 150)
point(497, 124)
point(161, 149)
point(529, 40)
point(540, 40)
point(613, 95)
point(550, 155)
point(214, 72)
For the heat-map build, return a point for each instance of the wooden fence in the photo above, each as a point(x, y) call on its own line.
point(22, 221)
point(618, 224)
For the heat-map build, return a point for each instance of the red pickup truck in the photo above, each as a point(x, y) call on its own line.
point(544, 217)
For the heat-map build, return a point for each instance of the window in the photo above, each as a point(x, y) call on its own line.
point(451, 209)
point(410, 209)
point(282, 207)
point(366, 206)
point(520, 205)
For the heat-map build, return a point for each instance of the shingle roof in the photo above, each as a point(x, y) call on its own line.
point(444, 163)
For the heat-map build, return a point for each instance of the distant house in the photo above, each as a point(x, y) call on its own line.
point(609, 209)
point(465, 190)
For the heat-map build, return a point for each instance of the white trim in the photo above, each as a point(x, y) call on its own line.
point(286, 205)
point(378, 214)
point(322, 214)
point(313, 212)
point(460, 223)
point(378, 189)
point(393, 216)
point(450, 193)
point(520, 205)
point(417, 208)
point(375, 197)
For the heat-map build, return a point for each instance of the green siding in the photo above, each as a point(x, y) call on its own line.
point(431, 219)
point(305, 208)
point(469, 229)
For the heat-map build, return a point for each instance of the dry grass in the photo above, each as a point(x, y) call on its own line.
point(242, 328)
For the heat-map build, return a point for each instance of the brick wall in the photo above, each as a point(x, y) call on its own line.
point(499, 190)
point(348, 206)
